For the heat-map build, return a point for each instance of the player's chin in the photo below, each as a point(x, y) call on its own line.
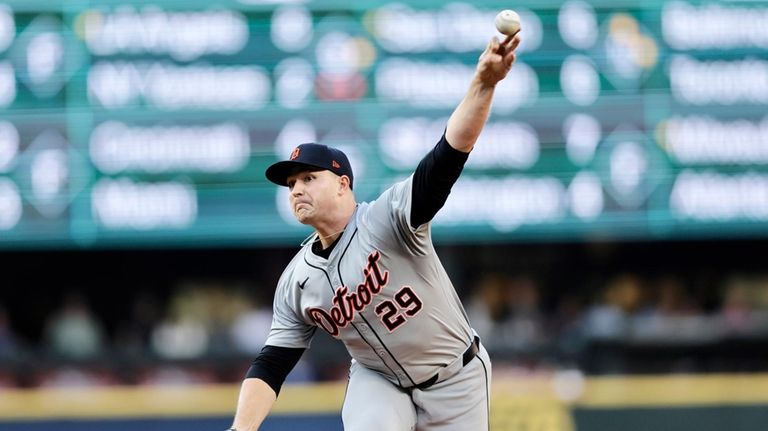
point(303, 216)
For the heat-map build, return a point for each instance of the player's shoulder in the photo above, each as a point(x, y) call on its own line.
point(296, 265)
point(363, 208)
point(394, 193)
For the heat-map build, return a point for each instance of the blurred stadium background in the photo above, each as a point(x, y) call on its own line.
point(609, 237)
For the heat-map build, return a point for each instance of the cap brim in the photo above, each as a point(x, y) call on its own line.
point(279, 172)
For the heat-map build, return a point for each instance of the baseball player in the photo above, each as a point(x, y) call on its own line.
point(369, 276)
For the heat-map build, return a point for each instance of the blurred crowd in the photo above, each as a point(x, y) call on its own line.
point(628, 323)
point(208, 331)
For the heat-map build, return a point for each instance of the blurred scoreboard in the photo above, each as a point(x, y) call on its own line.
point(151, 123)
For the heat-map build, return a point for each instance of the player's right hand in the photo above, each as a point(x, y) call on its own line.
point(497, 59)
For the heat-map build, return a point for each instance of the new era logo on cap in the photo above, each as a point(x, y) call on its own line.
point(313, 156)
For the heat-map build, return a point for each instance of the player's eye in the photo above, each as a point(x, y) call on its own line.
point(291, 183)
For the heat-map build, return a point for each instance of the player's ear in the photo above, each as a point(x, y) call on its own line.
point(343, 183)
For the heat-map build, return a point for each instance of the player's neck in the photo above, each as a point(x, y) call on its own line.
point(327, 240)
point(328, 232)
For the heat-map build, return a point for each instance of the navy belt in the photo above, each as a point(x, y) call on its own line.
point(468, 356)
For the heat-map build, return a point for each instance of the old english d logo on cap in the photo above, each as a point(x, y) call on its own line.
point(295, 153)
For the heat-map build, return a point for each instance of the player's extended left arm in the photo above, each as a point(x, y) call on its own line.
point(468, 119)
point(261, 386)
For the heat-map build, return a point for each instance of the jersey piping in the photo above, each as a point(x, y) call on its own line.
point(338, 268)
point(330, 284)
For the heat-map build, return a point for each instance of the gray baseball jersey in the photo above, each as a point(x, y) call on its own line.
point(382, 291)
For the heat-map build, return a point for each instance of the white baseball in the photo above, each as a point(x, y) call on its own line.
point(508, 22)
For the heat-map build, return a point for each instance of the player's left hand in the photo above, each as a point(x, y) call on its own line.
point(497, 59)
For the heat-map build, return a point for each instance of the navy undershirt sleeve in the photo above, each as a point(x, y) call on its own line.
point(273, 364)
point(436, 174)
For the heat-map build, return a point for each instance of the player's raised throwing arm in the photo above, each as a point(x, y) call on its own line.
point(467, 121)
point(441, 167)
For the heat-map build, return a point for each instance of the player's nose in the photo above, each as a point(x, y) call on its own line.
point(297, 189)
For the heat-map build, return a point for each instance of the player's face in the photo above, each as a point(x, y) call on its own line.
point(312, 195)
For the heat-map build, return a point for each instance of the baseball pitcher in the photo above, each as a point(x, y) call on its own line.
point(370, 277)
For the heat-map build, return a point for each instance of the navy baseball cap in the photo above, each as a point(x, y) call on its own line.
point(319, 156)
